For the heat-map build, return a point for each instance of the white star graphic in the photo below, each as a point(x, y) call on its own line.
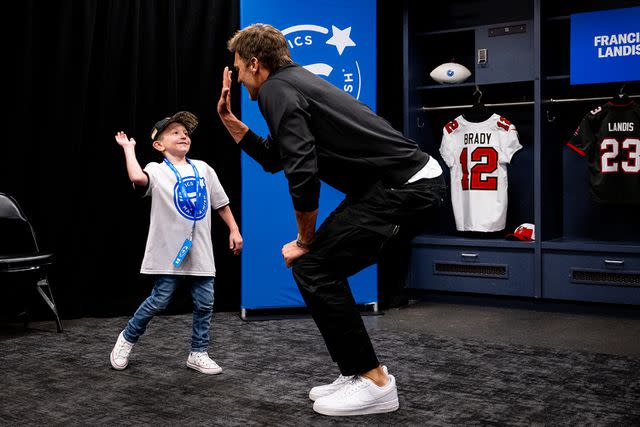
point(340, 38)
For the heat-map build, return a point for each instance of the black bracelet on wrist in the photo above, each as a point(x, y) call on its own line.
point(303, 245)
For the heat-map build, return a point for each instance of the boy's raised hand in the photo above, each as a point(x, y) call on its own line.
point(123, 141)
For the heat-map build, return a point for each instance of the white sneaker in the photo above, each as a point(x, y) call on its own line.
point(360, 396)
point(120, 353)
point(200, 361)
point(327, 389)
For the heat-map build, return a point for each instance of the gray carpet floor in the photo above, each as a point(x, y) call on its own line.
point(269, 367)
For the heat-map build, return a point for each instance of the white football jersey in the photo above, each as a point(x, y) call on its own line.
point(478, 154)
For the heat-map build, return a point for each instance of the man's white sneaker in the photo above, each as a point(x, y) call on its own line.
point(327, 389)
point(200, 361)
point(120, 353)
point(360, 396)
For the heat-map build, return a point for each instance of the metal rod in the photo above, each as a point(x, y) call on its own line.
point(454, 107)
point(503, 104)
point(599, 98)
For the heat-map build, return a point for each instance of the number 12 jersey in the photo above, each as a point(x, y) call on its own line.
point(477, 155)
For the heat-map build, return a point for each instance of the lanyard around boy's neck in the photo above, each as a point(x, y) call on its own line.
point(183, 191)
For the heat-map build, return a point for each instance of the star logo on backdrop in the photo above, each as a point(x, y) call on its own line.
point(340, 38)
point(315, 53)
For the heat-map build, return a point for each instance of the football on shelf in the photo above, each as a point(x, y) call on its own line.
point(450, 72)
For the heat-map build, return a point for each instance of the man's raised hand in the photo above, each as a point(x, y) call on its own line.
point(224, 103)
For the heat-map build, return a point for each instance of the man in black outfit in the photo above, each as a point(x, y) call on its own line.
point(318, 132)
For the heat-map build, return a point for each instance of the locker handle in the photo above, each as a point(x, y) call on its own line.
point(614, 262)
point(469, 256)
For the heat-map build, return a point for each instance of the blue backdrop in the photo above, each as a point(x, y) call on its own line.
point(333, 39)
point(605, 46)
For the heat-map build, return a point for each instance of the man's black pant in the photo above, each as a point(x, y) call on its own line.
point(349, 240)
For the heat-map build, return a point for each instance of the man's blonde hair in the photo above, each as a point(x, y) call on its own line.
point(264, 42)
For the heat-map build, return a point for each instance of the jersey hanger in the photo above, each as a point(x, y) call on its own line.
point(621, 97)
point(478, 112)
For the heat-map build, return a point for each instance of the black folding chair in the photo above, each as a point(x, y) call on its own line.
point(30, 261)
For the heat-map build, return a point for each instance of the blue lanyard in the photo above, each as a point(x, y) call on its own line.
point(199, 200)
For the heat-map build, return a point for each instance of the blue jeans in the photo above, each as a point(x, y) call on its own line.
point(163, 289)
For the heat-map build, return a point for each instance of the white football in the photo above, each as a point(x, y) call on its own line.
point(450, 72)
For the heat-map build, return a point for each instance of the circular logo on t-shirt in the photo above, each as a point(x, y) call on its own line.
point(185, 201)
point(326, 55)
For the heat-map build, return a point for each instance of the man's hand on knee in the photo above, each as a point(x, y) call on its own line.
point(291, 252)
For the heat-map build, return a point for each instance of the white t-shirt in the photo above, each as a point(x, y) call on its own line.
point(478, 154)
point(171, 220)
point(430, 170)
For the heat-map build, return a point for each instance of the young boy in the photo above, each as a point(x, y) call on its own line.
point(179, 246)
